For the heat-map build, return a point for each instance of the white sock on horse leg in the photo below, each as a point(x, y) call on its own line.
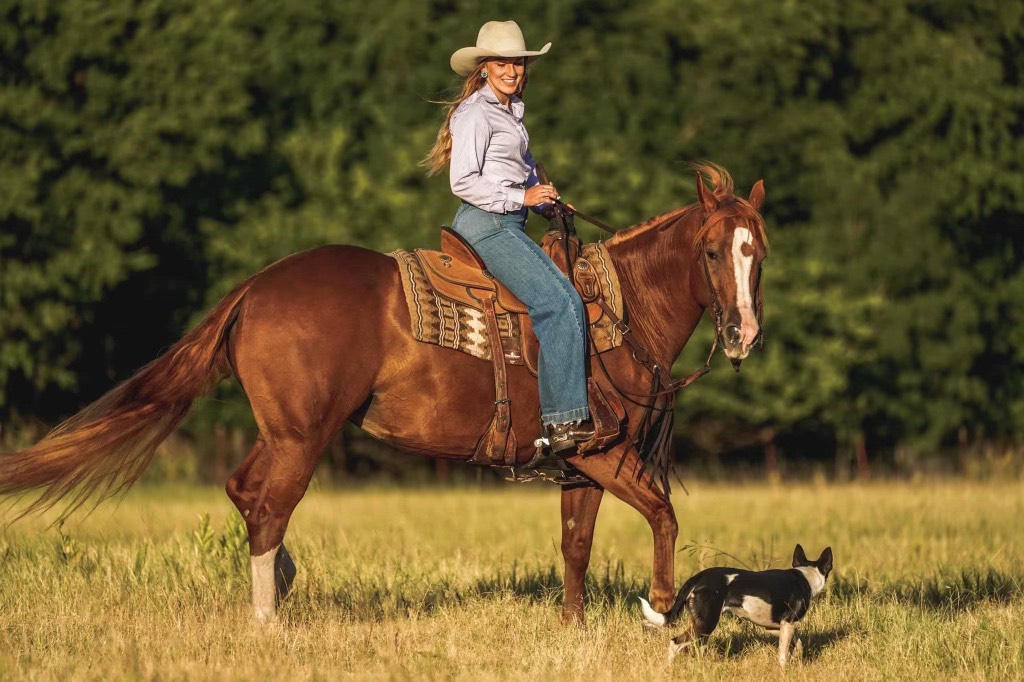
point(264, 597)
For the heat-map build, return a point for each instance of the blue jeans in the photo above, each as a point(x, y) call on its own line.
point(555, 308)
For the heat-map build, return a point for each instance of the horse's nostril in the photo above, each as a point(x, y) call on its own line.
point(732, 334)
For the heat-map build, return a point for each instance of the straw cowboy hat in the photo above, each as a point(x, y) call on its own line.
point(496, 39)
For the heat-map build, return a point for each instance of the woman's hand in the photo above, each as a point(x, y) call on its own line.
point(540, 194)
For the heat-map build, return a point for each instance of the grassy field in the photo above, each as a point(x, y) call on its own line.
point(465, 584)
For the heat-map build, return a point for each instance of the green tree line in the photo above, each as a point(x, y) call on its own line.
point(153, 153)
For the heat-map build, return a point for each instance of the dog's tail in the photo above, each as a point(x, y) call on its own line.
point(660, 620)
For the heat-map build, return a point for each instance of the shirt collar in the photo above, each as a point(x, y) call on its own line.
point(518, 106)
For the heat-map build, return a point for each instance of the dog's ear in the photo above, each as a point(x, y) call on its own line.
point(799, 558)
point(824, 562)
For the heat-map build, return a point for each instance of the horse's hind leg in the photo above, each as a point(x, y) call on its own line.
point(307, 347)
point(266, 488)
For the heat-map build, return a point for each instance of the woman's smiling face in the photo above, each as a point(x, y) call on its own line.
point(504, 75)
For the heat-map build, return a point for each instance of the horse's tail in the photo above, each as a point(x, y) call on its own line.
point(103, 449)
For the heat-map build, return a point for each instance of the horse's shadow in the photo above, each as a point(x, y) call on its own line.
point(608, 587)
point(375, 599)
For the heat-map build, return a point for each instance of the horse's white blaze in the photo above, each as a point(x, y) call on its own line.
point(264, 592)
point(742, 266)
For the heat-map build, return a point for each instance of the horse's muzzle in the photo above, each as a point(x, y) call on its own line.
point(736, 344)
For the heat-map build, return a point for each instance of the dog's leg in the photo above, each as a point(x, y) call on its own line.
point(695, 634)
point(704, 615)
point(679, 643)
point(786, 633)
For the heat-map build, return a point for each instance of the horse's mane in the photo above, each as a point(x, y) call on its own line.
point(718, 180)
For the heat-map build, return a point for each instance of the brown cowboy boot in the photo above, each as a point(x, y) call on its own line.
point(564, 437)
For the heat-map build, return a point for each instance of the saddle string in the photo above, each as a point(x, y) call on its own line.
point(654, 453)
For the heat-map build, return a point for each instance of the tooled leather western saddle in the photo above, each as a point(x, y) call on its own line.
point(457, 275)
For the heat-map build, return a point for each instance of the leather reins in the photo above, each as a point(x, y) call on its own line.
point(662, 382)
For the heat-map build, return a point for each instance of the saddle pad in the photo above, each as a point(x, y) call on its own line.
point(450, 323)
point(602, 331)
point(444, 321)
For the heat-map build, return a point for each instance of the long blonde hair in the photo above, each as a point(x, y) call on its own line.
point(441, 153)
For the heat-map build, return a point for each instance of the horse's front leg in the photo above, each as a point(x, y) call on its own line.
point(579, 514)
point(649, 500)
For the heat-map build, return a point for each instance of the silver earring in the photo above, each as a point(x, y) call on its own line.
point(483, 74)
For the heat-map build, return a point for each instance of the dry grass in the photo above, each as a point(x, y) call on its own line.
point(465, 584)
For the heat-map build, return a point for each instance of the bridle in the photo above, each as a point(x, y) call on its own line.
point(662, 381)
point(652, 437)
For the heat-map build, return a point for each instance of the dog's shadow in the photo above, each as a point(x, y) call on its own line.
point(814, 642)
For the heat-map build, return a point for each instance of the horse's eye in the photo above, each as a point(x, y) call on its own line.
point(712, 255)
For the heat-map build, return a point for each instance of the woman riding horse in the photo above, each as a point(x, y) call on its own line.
point(484, 140)
point(323, 337)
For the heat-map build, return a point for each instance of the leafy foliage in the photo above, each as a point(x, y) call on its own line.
point(155, 153)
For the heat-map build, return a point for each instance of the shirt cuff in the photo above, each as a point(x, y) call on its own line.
point(514, 199)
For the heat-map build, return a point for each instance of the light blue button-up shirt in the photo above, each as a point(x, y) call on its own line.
point(491, 153)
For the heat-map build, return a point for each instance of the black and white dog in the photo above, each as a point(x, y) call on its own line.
point(775, 599)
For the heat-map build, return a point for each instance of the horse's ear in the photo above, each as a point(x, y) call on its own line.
point(757, 195)
point(706, 197)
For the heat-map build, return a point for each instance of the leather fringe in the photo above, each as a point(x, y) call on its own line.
point(652, 441)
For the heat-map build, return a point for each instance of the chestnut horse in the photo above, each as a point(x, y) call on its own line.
point(323, 336)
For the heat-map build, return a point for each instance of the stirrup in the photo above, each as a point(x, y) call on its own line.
point(546, 460)
point(562, 438)
point(567, 476)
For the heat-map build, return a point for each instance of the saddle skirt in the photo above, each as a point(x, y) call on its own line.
point(445, 291)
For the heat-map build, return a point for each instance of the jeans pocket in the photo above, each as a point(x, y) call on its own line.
point(474, 224)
